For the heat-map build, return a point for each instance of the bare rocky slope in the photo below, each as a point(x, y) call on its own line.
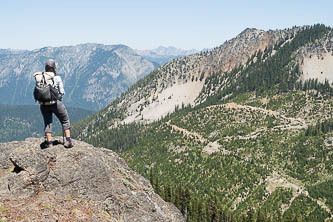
point(79, 184)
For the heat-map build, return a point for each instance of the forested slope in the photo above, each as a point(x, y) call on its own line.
point(257, 147)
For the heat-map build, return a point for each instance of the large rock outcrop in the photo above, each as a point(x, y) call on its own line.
point(79, 184)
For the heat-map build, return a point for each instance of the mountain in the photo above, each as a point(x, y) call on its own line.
point(163, 54)
point(93, 74)
point(243, 132)
point(11, 51)
point(181, 81)
point(80, 184)
point(172, 51)
point(18, 122)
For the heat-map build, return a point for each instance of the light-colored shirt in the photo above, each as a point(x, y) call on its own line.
point(59, 85)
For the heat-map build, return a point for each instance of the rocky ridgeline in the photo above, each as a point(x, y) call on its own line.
point(79, 184)
point(237, 51)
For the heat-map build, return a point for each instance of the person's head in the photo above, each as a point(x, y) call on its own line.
point(50, 66)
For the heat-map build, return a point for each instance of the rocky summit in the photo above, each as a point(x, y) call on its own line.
point(79, 184)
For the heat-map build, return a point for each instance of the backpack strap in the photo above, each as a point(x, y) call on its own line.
point(44, 78)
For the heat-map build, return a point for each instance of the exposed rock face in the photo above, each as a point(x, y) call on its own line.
point(238, 50)
point(79, 184)
point(316, 60)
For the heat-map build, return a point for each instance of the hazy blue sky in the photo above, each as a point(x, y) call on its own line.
point(146, 24)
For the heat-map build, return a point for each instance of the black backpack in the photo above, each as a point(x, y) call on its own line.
point(44, 91)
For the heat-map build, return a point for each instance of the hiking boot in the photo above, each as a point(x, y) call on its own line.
point(46, 144)
point(68, 144)
point(57, 142)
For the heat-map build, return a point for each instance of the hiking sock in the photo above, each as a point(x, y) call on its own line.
point(68, 143)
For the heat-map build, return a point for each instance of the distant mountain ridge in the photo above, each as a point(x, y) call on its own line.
point(11, 51)
point(168, 51)
point(93, 74)
point(163, 54)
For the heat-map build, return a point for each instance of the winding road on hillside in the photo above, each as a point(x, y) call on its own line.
point(186, 132)
point(276, 179)
point(294, 123)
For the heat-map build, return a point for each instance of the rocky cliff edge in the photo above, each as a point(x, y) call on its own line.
point(79, 184)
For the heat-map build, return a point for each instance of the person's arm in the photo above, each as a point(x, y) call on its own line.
point(60, 86)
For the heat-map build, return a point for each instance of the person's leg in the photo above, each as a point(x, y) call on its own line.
point(67, 133)
point(48, 137)
point(47, 116)
point(63, 117)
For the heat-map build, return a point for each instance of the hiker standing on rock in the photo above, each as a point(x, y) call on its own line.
point(48, 92)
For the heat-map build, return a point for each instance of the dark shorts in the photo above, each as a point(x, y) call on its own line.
point(60, 111)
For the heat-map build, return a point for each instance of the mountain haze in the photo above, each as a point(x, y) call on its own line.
point(163, 54)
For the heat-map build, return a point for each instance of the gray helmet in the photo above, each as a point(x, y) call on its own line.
point(51, 63)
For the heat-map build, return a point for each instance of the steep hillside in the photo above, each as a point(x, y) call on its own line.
point(93, 74)
point(188, 80)
point(256, 144)
point(18, 122)
point(272, 156)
